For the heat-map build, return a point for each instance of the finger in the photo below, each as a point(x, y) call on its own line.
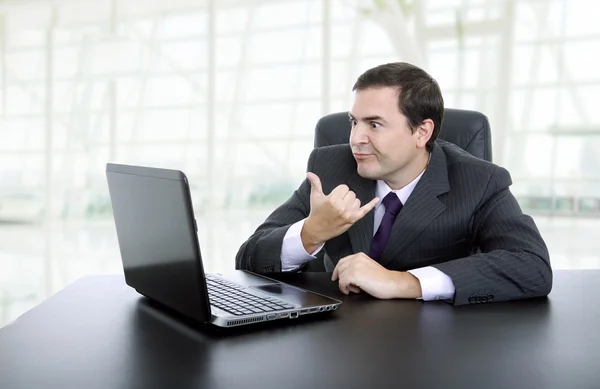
point(345, 271)
point(341, 262)
point(315, 182)
point(347, 207)
point(334, 275)
point(343, 288)
point(343, 265)
point(349, 199)
point(367, 208)
point(343, 285)
point(339, 192)
point(355, 206)
point(347, 285)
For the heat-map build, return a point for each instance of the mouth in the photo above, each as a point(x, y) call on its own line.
point(361, 156)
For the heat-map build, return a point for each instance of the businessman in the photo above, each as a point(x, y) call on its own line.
point(397, 213)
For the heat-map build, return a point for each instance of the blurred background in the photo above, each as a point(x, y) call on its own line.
point(230, 91)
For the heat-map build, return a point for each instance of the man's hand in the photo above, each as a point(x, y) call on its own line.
point(330, 215)
point(358, 272)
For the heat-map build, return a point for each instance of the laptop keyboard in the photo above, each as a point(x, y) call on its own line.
point(234, 299)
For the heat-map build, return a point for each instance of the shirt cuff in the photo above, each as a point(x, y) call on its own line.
point(435, 284)
point(293, 254)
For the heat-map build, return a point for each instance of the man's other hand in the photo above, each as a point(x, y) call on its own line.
point(358, 272)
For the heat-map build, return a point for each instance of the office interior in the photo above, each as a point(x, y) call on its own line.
point(229, 91)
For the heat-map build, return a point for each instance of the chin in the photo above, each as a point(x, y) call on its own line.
point(367, 173)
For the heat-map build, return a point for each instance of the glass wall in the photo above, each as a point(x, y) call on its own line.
point(230, 92)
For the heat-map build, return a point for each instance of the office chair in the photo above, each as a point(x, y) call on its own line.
point(469, 130)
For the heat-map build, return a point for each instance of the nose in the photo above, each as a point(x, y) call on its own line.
point(358, 134)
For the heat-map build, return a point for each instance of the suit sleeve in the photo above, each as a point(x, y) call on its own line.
point(261, 253)
point(513, 263)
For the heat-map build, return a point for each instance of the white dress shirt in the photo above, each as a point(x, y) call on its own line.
point(435, 284)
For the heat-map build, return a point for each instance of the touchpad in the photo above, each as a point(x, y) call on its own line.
point(279, 289)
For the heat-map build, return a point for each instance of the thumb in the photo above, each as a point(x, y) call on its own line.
point(315, 182)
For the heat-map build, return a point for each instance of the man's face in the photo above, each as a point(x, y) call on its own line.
point(382, 142)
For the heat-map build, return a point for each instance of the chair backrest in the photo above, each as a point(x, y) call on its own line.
point(469, 130)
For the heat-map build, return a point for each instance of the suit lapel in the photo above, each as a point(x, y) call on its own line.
point(421, 207)
point(361, 232)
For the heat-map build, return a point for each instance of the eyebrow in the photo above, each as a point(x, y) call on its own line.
point(368, 118)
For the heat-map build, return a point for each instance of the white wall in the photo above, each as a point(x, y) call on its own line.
point(230, 91)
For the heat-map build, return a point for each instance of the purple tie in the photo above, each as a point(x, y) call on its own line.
point(392, 205)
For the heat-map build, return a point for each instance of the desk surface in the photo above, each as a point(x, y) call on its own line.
point(99, 333)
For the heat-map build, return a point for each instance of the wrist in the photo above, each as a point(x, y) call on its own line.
point(406, 285)
point(310, 240)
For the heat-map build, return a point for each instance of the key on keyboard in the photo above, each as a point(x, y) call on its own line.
point(234, 299)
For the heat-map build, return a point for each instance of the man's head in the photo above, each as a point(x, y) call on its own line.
point(396, 117)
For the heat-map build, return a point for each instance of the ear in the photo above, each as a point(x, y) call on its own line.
point(423, 133)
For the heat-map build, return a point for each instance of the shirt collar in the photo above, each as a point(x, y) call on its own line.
point(403, 194)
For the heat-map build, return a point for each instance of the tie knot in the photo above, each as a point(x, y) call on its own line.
point(392, 203)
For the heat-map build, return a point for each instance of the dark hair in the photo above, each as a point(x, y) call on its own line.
point(420, 96)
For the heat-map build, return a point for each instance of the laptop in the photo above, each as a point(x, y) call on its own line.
point(158, 241)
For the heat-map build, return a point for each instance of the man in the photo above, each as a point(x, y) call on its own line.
point(399, 214)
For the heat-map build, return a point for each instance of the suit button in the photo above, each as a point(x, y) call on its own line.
point(479, 299)
point(490, 297)
point(472, 300)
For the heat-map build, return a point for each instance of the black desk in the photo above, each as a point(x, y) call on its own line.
point(99, 333)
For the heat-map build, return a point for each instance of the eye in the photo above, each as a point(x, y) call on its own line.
point(353, 122)
point(375, 124)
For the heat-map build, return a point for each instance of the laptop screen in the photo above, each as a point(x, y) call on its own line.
point(157, 237)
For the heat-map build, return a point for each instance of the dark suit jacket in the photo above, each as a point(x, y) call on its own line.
point(461, 218)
